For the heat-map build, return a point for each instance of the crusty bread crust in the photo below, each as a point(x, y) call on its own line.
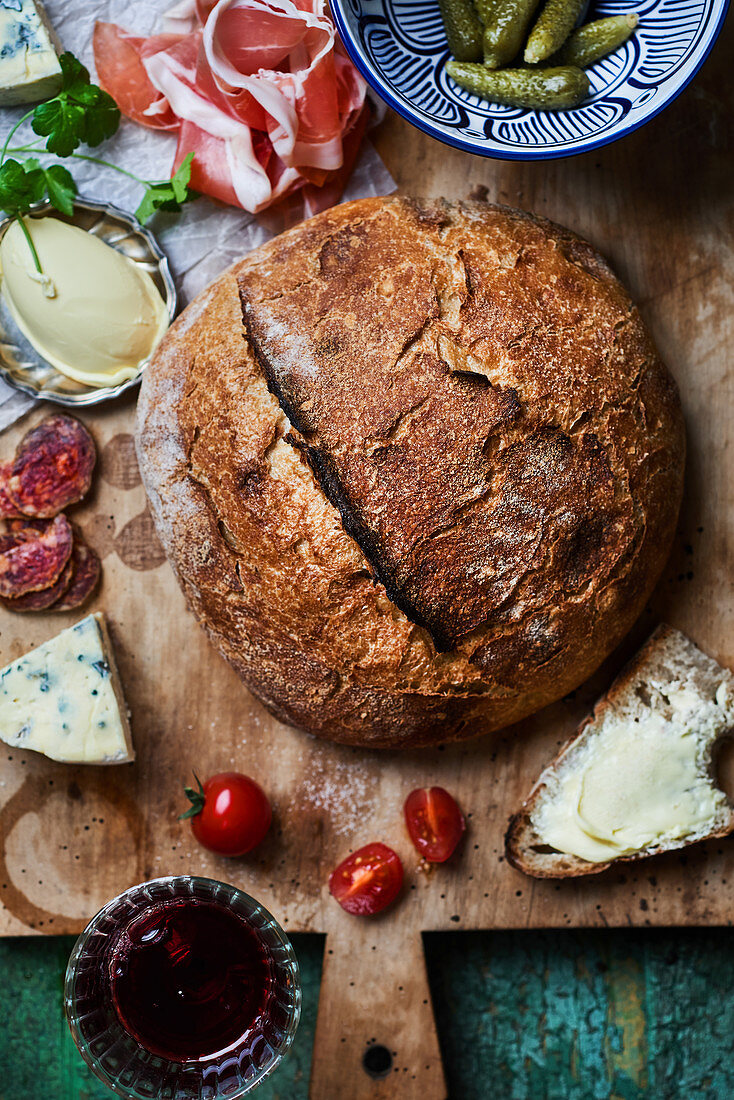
point(430, 485)
point(524, 847)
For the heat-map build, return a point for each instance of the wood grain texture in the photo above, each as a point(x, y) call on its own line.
point(374, 994)
point(659, 205)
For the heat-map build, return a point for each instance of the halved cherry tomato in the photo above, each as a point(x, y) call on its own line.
point(230, 813)
point(435, 823)
point(367, 881)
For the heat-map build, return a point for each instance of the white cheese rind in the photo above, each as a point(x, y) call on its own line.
point(64, 699)
point(29, 67)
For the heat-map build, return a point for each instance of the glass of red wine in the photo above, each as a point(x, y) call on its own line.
point(182, 987)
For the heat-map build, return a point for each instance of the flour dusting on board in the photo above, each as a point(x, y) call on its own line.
point(338, 788)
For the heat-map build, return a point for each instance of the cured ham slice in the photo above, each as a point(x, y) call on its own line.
point(298, 65)
point(119, 58)
point(259, 90)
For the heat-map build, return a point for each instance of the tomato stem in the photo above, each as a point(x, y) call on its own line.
point(196, 798)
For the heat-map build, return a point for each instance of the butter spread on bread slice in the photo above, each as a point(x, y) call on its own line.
point(637, 778)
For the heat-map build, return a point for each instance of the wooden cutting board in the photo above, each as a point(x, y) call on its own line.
point(660, 205)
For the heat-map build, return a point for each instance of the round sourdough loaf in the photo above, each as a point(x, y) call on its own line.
point(430, 484)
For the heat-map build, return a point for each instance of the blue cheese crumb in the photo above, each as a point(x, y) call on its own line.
point(64, 699)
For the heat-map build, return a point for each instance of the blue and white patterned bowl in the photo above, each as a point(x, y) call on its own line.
point(400, 47)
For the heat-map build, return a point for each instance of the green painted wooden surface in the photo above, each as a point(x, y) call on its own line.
point(593, 1015)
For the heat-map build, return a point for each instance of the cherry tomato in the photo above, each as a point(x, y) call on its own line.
point(367, 881)
point(435, 823)
point(230, 813)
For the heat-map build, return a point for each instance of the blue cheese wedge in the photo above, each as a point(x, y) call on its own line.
point(29, 65)
point(64, 699)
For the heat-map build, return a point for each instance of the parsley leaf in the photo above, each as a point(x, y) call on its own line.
point(168, 195)
point(72, 71)
point(22, 185)
point(80, 113)
point(13, 187)
point(60, 121)
point(102, 117)
point(60, 187)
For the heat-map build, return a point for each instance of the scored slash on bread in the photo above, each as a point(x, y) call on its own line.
point(434, 485)
point(669, 668)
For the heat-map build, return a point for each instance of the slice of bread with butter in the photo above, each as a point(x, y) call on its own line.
point(638, 777)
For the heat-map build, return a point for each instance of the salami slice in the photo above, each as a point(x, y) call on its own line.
point(52, 467)
point(41, 601)
point(87, 571)
point(22, 523)
point(33, 560)
point(8, 507)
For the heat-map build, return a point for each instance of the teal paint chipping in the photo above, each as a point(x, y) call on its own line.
point(38, 1059)
point(592, 1015)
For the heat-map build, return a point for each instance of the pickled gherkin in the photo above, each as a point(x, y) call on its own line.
point(535, 89)
point(595, 40)
point(463, 29)
point(554, 24)
point(485, 9)
point(504, 31)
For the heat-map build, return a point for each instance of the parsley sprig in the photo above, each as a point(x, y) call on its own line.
point(79, 114)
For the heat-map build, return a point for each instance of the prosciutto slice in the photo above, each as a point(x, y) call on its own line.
point(259, 90)
point(119, 58)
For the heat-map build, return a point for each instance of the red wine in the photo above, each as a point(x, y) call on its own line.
point(189, 978)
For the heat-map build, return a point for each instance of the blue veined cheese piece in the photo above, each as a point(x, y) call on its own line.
point(29, 65)
point(65, 699)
